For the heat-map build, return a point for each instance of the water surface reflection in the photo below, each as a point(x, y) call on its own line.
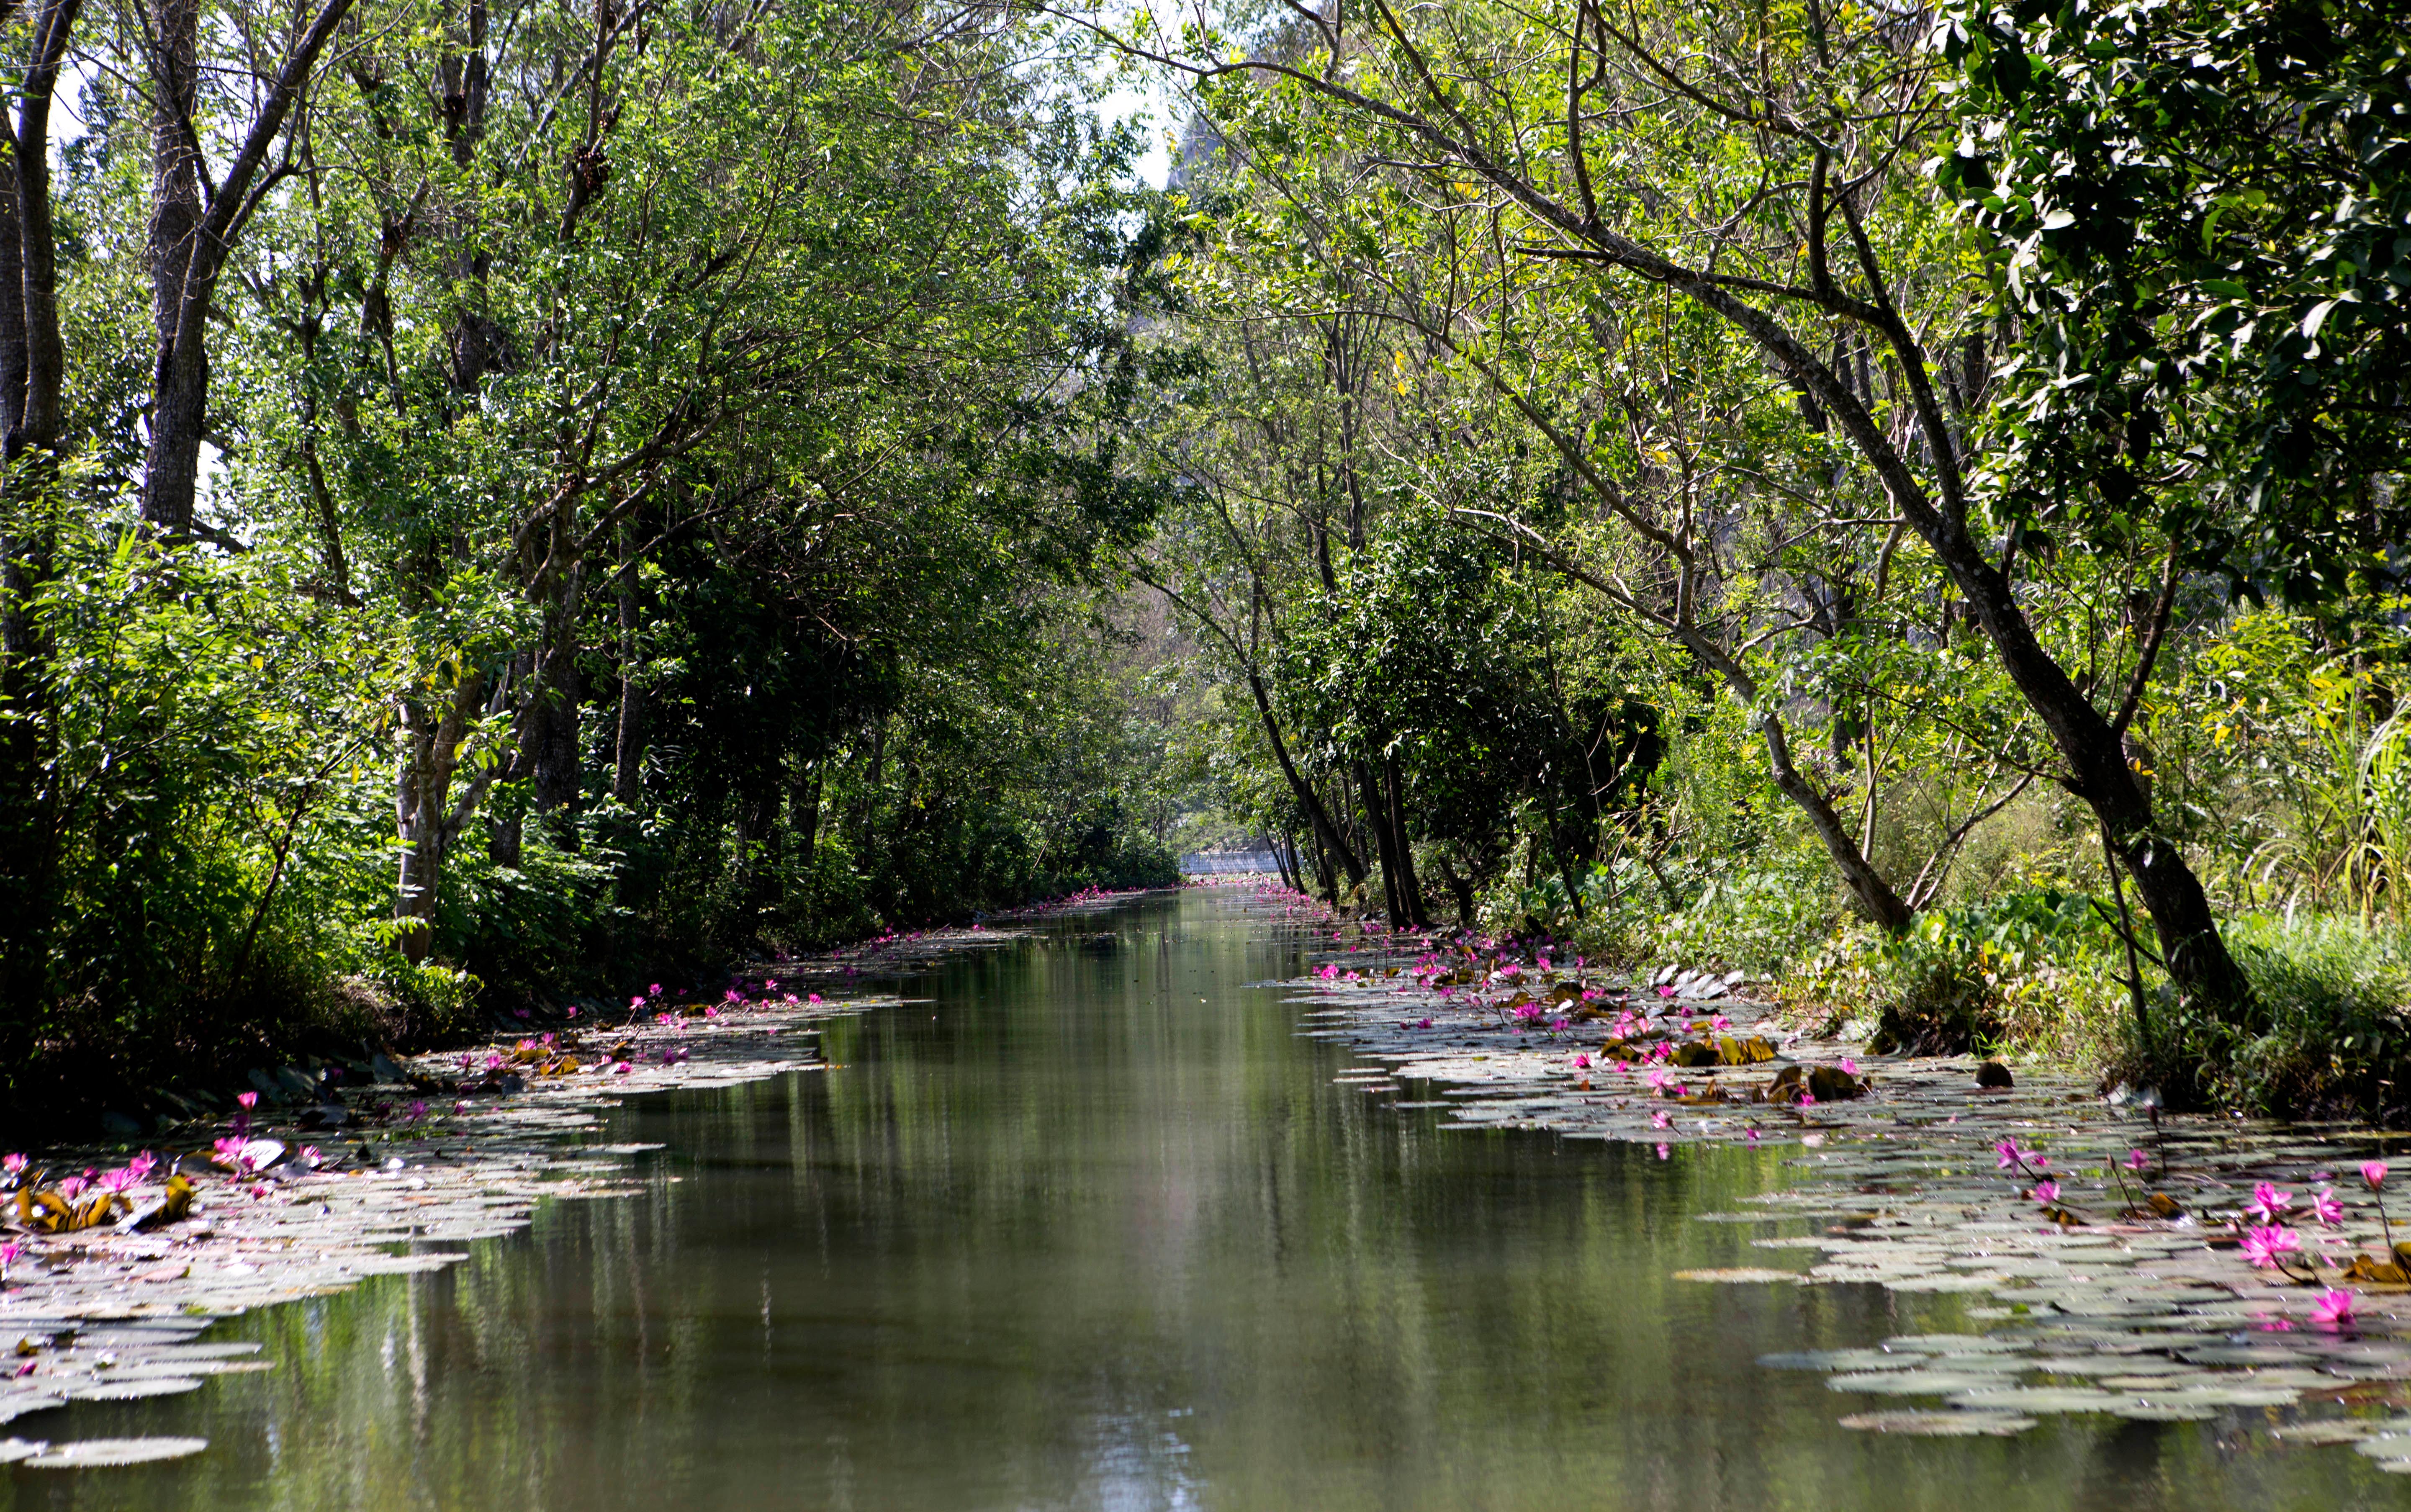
point(1093, 1228)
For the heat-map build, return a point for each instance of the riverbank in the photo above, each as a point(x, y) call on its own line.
point(2109, 1248)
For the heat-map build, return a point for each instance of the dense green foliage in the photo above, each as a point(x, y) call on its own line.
point(1904, 503)
point(659, 482)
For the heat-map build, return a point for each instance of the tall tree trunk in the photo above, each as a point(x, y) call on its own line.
point(45, 354)
point(180, 372)
point(190, 238)
point(32, 362)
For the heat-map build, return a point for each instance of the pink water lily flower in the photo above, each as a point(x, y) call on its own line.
point(2325, 1208)
point(2046, 1193)
point(248, 1100)
point(310, 1156)
point(2334, 1309)
point(635, 1000)
point(13, 1164)
point(117, 1181)
point(2269, 1202)
point(1661, 1119)
point(2373, 1174)
point(2267, 1245)
point(2009, 1154)
point(1582, 1063)
point(1850, 1067)
point(2136, 1160)
point(143, 1165)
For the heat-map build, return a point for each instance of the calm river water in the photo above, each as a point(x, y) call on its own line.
point(1092, 1229)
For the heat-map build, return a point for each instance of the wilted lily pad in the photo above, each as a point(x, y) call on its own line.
point(2326, 1430)
point(97, 1453)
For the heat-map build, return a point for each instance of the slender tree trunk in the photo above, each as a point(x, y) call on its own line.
point(13, 356)
point(627, 768)
point(1461, 888)
point(1376, 807)
point(1410, 886)
point(427, 818)
point(1326, 833)
point(2094, 747)
point(804, 811)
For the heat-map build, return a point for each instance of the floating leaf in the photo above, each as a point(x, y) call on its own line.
point(156, 1386)
point(1939, 1424)
point(97, 1453)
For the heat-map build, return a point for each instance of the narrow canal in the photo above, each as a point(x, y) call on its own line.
point(1090, 1226)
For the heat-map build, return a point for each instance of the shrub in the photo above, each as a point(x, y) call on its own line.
point(2328, 1034)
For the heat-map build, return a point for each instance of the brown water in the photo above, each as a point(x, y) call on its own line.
point(1092, 1229)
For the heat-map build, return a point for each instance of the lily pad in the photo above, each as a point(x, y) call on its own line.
point(132, 1390)
point(1996, 1398)
point(1940, 1424)
point(97, 1453)
point(1912, 1383)
point(1738, 1274)
point(2164, 1412)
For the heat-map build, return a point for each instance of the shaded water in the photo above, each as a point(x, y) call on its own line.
point(1093, 1228)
